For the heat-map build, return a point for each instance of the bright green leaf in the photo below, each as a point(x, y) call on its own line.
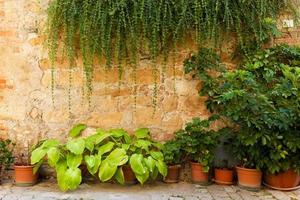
point(162, 167)
point(53, 155)
point(73, 160)
point(106, 148)
point(106, 171)
point(73, 177)
point(137, 164)
point(76, 146)
point(142, 133)
point(37, 155)
point(119, 176)
point(76, 130)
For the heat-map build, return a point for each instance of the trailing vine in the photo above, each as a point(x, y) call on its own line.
point(117, 30)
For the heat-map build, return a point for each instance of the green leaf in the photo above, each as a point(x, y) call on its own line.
point(142, 133)
point(117, 157)
point(53, 155)
point(150, 163)
point(137, 164)
point(119, 176)
point(143, 144)
point(99, 137)
point(90, 160)
point(61, 168)
point(50, 143)
point(117, 132)
point(76, 146)
point(157, 155)
point(73, 160)
point(154, 174)
point(73, 177)
point(77, 130)
point(162, 167)
point(142, 178)
point(37, 155)
point(94, 164)
point(106, 148)
point(37, 166)
point(106, 171)
point(89, 144)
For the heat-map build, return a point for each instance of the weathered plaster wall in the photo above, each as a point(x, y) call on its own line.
point(26, 111)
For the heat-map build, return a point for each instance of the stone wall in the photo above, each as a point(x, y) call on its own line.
point(26, 111)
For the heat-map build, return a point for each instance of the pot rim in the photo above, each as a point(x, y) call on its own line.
point(248, 169)
point(23, 166)
point(174, 166)
point(195, 163)
point(224, 169)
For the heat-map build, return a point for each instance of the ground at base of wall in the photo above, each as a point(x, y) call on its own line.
point(158, 191)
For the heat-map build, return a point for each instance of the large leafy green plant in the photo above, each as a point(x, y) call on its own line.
point(103, 153)
point(262, 98)
point(126, 29)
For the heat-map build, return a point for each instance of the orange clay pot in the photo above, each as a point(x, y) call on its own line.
point(24, 176)
point(249, 178)
point(224, 176)
point(129, 175)
point(287, 179)
point(173, 174)
point(198, 175)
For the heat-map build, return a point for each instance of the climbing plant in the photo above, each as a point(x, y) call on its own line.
point(118, 30)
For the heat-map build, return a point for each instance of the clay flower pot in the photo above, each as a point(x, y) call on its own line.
point(173, 174)
point(287, 179)
point(129, 175)
point(198, 174)
point(24, 176)
point(249, 178)
point(224, 176)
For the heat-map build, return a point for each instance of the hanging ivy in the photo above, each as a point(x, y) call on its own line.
point(117, 30)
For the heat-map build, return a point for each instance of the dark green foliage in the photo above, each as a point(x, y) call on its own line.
point(173, 152)
point(262, 97)
point(6, 156)
point(125, 29)
point(198, 142)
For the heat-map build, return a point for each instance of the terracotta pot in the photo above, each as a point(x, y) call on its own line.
point(249, 178)
point(198, 175)
point(129, 175)
point(224, 176)
point(24, 176)
point(287, 179)
point(173, 174)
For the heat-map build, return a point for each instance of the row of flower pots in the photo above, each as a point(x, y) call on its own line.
point(247, 178)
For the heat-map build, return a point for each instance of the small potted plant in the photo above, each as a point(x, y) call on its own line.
point(173, 157)
point(223, 173)
point(24, 172)
point(6, 156)
point(282, 163)
point(199, 145)
point(224, 163)
point(249, 152)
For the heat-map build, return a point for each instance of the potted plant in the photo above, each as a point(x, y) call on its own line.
point(173, 155)
point(282, 166)
point(223, 163)
point(223, 173)
point(24, 172)
point(199, 144)
point(6, 155)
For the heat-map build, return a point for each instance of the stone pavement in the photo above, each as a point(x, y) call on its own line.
point(156, 191)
